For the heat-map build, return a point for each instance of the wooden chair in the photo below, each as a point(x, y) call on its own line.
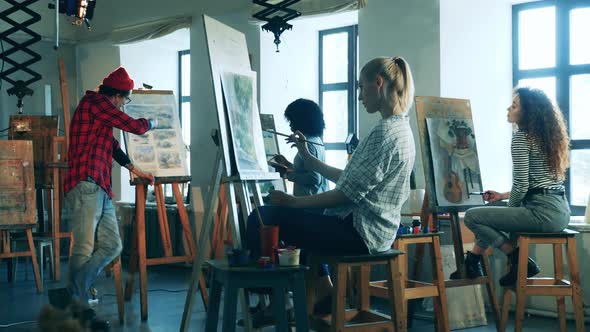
point(412, 289)
point(557, 286)
point(360, 318)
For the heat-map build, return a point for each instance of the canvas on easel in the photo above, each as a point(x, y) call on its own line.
point(271, 149)
point(439, 120)
point(239, 90)
point(455, 161)
point(161, 151)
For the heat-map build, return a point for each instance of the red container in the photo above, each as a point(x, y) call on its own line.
point(269, 240)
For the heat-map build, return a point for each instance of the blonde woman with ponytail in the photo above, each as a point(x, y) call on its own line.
point(363, 212)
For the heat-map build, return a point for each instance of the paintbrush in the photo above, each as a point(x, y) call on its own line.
point(281, 134)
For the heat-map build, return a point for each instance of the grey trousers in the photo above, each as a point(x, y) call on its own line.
point(539, 213)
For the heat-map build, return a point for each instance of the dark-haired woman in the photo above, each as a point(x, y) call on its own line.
point(537, 200)
point(307, 117)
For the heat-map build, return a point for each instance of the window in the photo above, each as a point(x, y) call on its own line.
point(338, 65)
point(551, 52)
point(184, 98)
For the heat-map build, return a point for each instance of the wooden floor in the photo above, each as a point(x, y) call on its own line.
point(167, 286)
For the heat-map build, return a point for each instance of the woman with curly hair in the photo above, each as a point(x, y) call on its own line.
point(306, 116)
point(537, 201)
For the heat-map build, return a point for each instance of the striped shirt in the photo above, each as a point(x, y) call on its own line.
point(529, 169)
point(377, 181)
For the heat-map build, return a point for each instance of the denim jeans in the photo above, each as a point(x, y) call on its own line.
point(96, 236)
point(539, 213)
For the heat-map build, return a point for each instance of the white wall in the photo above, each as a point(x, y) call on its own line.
point(154, 62)
point(293, 72)
point(47, 67)
point(410, 29)
point(476, 64)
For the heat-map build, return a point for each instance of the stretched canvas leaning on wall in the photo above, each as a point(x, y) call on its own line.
point(161, 151)
point(239, 90)
point(454, 161)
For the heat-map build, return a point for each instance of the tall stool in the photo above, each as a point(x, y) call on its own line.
point(412, 289)
point(280, 279)
point(556, 286)
point(360, 318)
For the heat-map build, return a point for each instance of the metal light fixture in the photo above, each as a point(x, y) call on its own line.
point(276, 15)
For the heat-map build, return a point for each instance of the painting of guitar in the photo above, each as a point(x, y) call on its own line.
point(452, 190)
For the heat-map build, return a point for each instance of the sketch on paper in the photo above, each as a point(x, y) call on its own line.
point(161, 150)
point(244, 122)
point(454, 161)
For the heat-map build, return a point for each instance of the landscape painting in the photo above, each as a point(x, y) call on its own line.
point(239, 90)
point(161, 151)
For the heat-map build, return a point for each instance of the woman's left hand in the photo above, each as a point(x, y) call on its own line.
point(280, 198)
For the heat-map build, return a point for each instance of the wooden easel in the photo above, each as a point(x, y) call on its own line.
point(238, 192)
point(138, 257)
point(17, 200)
point(432, 213)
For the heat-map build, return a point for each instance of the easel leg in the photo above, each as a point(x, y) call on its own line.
point(163, 220)
point(140, 220)
point(458, 243)
point(56, 225)
point(38, 281)
point(133, 264)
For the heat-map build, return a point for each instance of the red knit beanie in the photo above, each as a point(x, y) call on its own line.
point(119, 79)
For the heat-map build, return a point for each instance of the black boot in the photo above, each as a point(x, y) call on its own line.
point(509, 279)
point(473, 268)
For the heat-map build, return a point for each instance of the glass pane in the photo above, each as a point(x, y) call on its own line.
point(579, 27)
point(580, 168)
point(186, 130)
point(580, 106)
point(335, 107)
point(338, 159)
point(185, 74)
point(536, 38)
point(335, 58)
point(547, 84)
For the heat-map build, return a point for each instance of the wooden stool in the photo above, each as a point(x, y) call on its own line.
point(361, 318)
point(556, 286)
point(6, 252)
point(412, 289)
point(280, 279)
point(41, 244)
point(115, 267)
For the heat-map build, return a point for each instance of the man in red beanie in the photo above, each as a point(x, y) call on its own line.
point(88, 180)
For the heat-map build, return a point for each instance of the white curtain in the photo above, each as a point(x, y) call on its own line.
point(318, 7)
point(149, 30)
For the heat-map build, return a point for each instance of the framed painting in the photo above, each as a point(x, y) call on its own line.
point(161, 151)
point(239, 90)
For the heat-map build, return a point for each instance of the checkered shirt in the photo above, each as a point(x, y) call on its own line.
point(92, 143)
point(376, 180)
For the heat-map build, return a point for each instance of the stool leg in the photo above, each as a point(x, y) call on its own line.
point(438, 279)
point(521, 282)
point(41, 258)
point(396, 283)
point(280, 313)
point(572, 262)
point(505, 307)
point(491, 290)
point(402, 263)
point(339, 298)
point(119, 289)
point(230, 307)
point(299, 302)
point(213, 309)
point(558, 272)
point(363, 287)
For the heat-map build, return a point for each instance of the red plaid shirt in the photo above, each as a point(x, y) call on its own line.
point(92, 143)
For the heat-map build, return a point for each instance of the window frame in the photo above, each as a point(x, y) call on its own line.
point(350, 86)
point(562, 71)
